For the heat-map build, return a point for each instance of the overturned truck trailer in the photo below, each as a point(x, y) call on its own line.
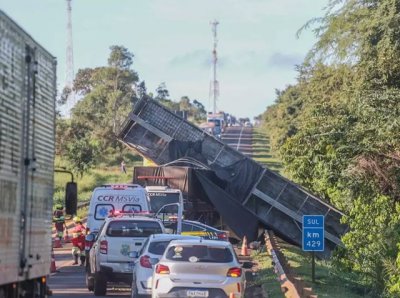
point(244, 192)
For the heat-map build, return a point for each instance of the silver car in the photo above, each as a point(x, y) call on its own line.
point(199, 268)
point(147, 257)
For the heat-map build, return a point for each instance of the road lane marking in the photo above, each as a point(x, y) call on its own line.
point(240, 136)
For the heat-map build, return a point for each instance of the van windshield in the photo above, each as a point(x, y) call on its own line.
point(131, 228)
point(159, 199)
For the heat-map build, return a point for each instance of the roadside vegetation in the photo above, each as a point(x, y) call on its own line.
point(337, 131)
point(330, 282)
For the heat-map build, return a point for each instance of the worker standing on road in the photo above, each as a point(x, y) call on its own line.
point(59, 221)
point(78, 241)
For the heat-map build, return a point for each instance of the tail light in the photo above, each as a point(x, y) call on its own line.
point(234, 272)
point(162, 269)
point(222, 236)
point(145, 262)
point(104, 247)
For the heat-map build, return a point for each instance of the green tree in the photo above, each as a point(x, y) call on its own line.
point(337, 130)
point(81, 154)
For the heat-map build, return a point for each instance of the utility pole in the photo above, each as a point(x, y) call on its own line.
point(69, 77)
point(214, 86)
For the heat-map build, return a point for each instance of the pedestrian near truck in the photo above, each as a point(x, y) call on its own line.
point(123, 167)
point(59, 221)
point(78, 241)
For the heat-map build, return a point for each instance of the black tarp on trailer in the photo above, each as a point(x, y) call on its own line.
point(165, 138)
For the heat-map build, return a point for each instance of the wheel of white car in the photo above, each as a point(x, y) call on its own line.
point(89, 281)
point(100, 285)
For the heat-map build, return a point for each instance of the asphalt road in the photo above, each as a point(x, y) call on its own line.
point(69, 280)
point(239, 138)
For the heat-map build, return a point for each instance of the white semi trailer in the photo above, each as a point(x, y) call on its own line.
point(27, 116)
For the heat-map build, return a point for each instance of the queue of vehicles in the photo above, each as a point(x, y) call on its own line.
point(128, 239)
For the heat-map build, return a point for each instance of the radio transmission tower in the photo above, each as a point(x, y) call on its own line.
point(69, 78)
point(214, 86)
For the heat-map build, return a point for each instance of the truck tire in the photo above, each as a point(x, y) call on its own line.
point(99, 285)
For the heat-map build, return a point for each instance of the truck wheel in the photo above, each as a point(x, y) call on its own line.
point(99, 285)
point(89, 281)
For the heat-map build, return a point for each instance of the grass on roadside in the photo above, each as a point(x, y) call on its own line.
point(266, 276)
point(263, 153)
point(329, 282)
point(90, 180)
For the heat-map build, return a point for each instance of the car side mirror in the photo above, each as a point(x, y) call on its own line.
point(154, 261)
point(247, 265)
point(134, 254)
point(91, 237)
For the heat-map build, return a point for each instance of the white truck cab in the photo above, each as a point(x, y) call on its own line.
point(166, 201)
point(111, 198)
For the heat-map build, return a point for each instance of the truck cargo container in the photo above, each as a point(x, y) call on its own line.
point(249, 192)
point(27, 114)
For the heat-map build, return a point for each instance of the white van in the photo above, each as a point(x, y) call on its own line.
point(111, 198)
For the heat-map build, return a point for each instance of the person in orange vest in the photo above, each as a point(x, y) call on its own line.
point(78, 241)
point(59, 221)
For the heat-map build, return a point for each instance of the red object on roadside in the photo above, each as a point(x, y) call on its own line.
point(79, 242)
point(53, 268)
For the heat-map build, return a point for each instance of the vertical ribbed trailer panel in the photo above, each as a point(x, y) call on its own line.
point(27, 114)
point(278, 203)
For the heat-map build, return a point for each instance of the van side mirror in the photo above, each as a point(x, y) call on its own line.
point(71, 198)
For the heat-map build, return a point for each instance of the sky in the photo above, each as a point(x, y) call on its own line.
point(172, 43)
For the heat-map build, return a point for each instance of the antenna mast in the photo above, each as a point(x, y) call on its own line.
point(214, 86)
point(69, 77)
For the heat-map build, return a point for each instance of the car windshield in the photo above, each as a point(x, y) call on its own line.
point(130, 228)
point(158, 248)
point(199, 253)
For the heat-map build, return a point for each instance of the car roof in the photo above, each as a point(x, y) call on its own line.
point(135, 218)
point(158, 237)
point(201, 242)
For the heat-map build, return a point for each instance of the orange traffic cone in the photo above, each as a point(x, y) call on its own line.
point(244, 247)
point(57, 243)
point(53, 268)
point(231, 295)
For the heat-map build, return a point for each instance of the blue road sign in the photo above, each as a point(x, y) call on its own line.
point(313, 233)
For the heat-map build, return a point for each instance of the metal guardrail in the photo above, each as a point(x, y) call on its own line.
point(291, 285)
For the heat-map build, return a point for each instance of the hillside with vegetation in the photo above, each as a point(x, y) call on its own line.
point(337, 131)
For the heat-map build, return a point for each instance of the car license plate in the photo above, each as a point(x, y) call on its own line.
point(197, 293)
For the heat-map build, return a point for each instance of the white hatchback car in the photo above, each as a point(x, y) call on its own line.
point(199, 268)
point(147, 257)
